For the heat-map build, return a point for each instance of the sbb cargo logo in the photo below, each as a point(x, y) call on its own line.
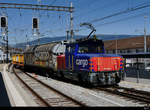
point(82, 62)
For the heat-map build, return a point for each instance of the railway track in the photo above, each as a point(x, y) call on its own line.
point(47, 95)
point(142, 96)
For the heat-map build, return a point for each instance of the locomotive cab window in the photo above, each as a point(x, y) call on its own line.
point(90, 46)
point(90, 49)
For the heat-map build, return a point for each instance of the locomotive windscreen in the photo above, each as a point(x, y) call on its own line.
point(91, 46)
point(90, 49)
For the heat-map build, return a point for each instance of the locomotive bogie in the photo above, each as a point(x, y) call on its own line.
point(103, 78)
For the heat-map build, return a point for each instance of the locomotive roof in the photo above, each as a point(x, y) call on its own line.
point(85, 41)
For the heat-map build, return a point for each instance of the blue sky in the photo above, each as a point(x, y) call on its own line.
point(54, 24)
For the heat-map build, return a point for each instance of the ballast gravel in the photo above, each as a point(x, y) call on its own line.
point(88, 96)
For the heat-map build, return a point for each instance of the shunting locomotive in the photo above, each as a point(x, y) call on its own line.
point(85, 61)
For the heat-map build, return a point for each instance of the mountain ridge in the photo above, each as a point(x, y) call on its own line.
point(59, 38)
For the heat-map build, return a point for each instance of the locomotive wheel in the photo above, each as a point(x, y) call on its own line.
point(51, 73)
point(117, 79)
point(61, 74)
point(80, 78)
point(47, 74)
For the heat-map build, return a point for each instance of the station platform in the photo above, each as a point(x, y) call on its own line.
point(4, 99)
point(16, 96)
point(143, 84)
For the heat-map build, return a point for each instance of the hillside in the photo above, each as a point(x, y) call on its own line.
point(49, 39)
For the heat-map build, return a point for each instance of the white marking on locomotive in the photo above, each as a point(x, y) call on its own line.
point(83, 62)
point(115, 58)
point(107, 68)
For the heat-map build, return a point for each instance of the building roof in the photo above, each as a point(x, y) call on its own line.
point(127, 43)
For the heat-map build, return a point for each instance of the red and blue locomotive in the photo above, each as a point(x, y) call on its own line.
point(85, 61)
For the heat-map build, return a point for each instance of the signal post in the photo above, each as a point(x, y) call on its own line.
point(4, 30)
point(35, 28)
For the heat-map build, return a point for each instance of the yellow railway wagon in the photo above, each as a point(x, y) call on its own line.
point(18, 59)
point(21, 60)
point(14, 59)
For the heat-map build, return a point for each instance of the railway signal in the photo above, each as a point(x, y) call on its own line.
point(35, 28)
point(4, 32)
point(3, 21)
point(35, 23)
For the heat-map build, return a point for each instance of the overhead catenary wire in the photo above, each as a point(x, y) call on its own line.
point(122, 19)
point(94, 10)
point(82, 12)
point(53, 2)
point(19, 31)
point(41, 22)
point(116, 21)
point(143, 3)
point(138, 7)
point(120, 13)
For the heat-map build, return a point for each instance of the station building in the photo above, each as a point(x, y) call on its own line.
point(128, 45)
point(11, 51)
point(3, 55)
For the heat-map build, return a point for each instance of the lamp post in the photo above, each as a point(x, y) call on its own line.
point(145, 43)
point(137, 66)
point(145, 46)
point(116, 45)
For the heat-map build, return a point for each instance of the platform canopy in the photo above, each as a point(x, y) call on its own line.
point(136, 55)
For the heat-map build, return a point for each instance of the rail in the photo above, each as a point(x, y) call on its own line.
point(46, 101)
point(142, 96)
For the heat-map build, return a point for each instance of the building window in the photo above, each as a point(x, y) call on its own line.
point(140, 50)
point(114, 51)
point(110, 51)
point(132, 50)
point(148, 49)
point(106, 51)
point(126, 51)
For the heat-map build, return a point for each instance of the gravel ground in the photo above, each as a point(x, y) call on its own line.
point(132, 84)
point(52, 97)
point(141, 80)
point(88, 96)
